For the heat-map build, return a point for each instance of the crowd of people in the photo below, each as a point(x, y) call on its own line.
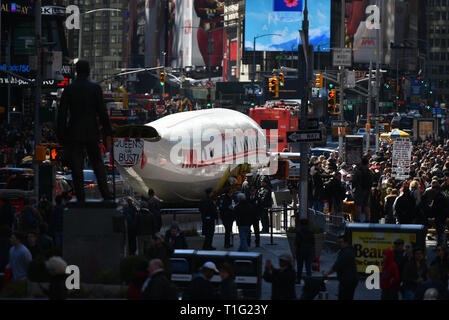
point(372, 189)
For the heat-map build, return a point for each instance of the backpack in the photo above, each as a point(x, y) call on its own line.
point(30, 218)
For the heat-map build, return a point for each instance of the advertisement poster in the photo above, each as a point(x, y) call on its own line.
point(284, 17)
point(398, 21)
point(425, 129)
point(369, 246)
point(402, 156)
point(354, 150)
point(195, 33)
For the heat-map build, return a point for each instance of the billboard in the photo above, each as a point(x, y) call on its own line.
point(284, 17)
point(398, 21)
point(195, 35)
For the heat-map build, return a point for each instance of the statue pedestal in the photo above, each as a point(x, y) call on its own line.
point(89, 241)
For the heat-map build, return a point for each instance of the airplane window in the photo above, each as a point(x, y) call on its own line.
point(211, 153)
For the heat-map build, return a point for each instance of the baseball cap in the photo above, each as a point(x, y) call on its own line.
point(210, 265)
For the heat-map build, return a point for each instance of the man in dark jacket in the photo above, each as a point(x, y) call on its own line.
point(244, 215)
point(227, 216)
point(404, 206)
point(399, 255)
point(253, 201)
point(209, 213)
point(282, 279)
point(78, 129)
point(317, 187)
point(435, 282)
point(305, 243)
point(158, 286)
point(346, 270)
point(154, 206)
point(438, 209)
point(361, 184)
point(201, 288)
point(264, 203)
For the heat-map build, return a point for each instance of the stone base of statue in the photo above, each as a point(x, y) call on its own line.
point(89, 240)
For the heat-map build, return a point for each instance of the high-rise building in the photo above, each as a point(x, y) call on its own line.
point(438, 42)
point(104, 36)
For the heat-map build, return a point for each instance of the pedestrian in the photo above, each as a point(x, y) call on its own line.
point(227, 205)
point(208, 210)
point(130, 212)
point(264, 203)
point(317, 186)
point(228, 288)
point(361, 183)
point(442, 261)
point(433, 282)
point(282, 280)
point(145, 226)
point(6, 214)
point(19, 257)
point(29, 218)
point(44, 241)
point(305, 244)
point(32, 246)
point(438, 208)
point(78, 129)
point(253, 201)
point(415, 273)
point(389, 206)
point(247, 184)
point(135, 285)
point(154, 206)
point(56, 220)
point(376, 208)
point(5, 244)
point(158, 286)
point(57, 289)
point(399, 255)
point(404, 206)
point(175, 238)
point(336, 192)
point(244, 215)
point(201, 287)
point(159, 249)
point(389, 278)
point(346, 270)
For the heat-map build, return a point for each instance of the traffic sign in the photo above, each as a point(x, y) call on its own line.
point(340, 123)
point(304, 136)
point(160, 109)
point(342, 57)
point(209, 84)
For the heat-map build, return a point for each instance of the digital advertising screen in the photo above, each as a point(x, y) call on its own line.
point(283, 19)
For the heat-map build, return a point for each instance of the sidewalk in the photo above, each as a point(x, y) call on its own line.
point(280, 246)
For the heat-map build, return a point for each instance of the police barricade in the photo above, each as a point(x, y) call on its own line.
point(247, 268)
point(182, 264)
point(369, 240)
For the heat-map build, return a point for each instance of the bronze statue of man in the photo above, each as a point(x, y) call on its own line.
point(80, 114)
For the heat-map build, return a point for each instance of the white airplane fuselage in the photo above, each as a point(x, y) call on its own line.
point(195, 151)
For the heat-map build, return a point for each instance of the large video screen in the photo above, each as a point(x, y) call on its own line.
point(284, 17)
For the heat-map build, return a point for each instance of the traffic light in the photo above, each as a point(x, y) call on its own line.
point(252, 100)
point(281, 79)
point(331, 86)
point(274, 86)
point(208, 102)
point(331, 101)
point(388, 84)
point(162, 78)
point(318, 80)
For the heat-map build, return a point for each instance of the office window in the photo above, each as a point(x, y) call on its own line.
point(443, 29)
point(443, 16)
point(437, 42)
point(443, 43)
point(447, 69)
point(437, 29)
point(86, 53)
point(441, 69)
point(97, 52)
point(98, 26)
point(443, 3)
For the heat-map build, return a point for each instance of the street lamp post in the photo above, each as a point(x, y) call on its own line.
point(254, 56)
point(81, 26)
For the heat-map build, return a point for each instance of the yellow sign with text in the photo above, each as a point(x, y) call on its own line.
point(369, 246)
